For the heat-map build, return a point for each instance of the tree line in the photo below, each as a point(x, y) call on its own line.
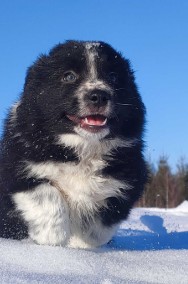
point(165, 189)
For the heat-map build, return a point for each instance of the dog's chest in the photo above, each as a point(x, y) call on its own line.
point(75, 179)
point(81, 183)
point(83, 180)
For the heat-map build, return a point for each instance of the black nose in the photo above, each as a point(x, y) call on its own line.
point(99, 98)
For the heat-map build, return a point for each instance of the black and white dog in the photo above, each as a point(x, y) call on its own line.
point(71, 163)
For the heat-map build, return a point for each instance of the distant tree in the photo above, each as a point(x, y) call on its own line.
point(148, 198)
point(162, 181)
point(186, 184)
point(164, 188)
point(182, 179)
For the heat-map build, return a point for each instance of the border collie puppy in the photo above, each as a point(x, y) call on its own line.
point(71, 162)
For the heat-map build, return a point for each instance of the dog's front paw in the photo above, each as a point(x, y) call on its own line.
point(53, 227)
point(46, 213)
point(51, 234)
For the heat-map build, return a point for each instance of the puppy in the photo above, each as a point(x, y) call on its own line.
point(71, 153)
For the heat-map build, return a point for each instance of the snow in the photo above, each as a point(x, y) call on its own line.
point(150, 247)
point(90, 45)
point(183, 207)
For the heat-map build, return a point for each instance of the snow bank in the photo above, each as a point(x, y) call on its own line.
point(183, 207)
point(150, 247)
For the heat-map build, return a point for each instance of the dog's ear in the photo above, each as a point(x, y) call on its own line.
point(36, 73)
point(58, 49)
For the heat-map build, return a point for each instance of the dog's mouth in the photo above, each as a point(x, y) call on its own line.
point(92, 123)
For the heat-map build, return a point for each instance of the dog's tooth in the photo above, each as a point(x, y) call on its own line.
point(105, 121)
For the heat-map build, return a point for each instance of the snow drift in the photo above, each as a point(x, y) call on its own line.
point(150, 247)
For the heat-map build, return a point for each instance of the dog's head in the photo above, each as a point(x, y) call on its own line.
point(86, 88)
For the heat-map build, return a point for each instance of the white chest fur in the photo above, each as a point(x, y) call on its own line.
point(56, 220)
point(81, 182)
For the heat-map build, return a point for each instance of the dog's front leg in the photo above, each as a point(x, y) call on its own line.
point(46, 213)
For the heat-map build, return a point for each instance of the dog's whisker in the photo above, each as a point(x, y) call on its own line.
point(120, 89)
point(124, 104)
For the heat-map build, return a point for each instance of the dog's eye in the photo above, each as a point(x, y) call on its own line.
point(113, 77)
point(69, 77)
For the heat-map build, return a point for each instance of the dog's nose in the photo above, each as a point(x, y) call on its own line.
point(99, 98)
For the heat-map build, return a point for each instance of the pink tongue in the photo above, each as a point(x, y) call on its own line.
point(95, 120)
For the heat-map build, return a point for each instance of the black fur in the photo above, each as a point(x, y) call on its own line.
point(42, 115)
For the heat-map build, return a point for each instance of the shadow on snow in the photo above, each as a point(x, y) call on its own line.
point(158, 239)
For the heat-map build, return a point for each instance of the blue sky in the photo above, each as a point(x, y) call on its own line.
point(152, 34)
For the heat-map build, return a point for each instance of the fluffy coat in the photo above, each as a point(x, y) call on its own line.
point(71, 162)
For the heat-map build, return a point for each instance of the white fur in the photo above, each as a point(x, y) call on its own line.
point(92, 82)
point(90, 45)
point(54, 212)
point(86, 190)
point(91, 51)
point(89, 85)
point(64, 211)
point(13, 121)
point(13, 113)
point(89, 135)
point(50, 220)
point(85, 88)
point(46, 214)
point(55, 218)
point(87, 146)
point(97, 235)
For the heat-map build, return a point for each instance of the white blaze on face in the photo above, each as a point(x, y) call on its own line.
point(93, 81)
point(92, 54)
